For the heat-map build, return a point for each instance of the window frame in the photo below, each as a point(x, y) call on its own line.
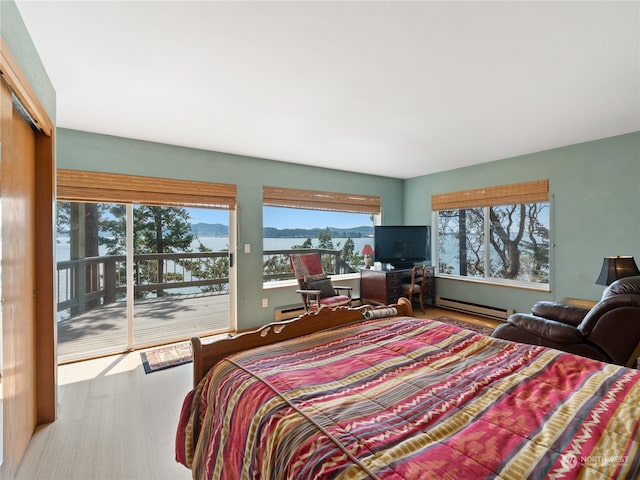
point(513, 194)
point(282, 197)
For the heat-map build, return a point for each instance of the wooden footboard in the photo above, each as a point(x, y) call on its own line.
point(206, 355)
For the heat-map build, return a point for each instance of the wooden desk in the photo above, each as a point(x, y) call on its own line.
point(385, 287)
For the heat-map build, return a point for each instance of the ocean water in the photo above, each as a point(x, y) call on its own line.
point(217, 243)
point(222, 243)
point(214, 243)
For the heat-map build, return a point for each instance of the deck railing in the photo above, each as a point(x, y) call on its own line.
point(86, 283)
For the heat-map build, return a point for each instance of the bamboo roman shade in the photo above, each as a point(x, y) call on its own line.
point(513, 194)
point(316, 200)
point(83, 186)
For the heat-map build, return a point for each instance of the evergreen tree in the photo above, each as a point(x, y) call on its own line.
point(155, 230)
point(216, 267)
point(325, 239)
point(308, 243)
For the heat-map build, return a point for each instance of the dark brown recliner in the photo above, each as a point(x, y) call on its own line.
point(610, 331)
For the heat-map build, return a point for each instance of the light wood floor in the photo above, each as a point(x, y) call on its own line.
point(117, 423)
point(103, 330)
point(440, 312)
point(114, 422)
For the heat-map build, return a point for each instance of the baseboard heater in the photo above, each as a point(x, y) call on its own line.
point(476, 309)
point(286, 312)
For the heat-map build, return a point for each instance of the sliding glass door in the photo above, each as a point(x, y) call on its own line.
point(91, 280)
point(181, 273)
point(134, 276)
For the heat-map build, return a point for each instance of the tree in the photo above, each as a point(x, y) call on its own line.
point(160, 230)
point(465, 229)
point(507, 229)
point(350, 257)
point(325, 240)
point(114, 221)
point(80, 222)
point(218, 267)
point(517, 247)
point(308, 243)
point(155, 230)
point(63, 218)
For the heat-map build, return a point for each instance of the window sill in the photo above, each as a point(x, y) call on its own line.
point(294, 283)
point(496, 282)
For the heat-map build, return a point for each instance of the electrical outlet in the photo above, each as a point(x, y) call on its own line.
point(247, 248)
point(265, 302)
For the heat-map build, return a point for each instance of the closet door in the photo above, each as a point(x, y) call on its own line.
point(26, 268)
point(17, 193)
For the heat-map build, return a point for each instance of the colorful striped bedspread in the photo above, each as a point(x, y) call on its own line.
point(407, 398)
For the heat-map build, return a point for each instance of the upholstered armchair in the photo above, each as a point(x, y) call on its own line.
point(315, 285)
point(610, 331)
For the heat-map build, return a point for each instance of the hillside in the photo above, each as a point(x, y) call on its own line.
point(219, 230)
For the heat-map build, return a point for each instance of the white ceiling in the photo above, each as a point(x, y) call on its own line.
point(399, 89)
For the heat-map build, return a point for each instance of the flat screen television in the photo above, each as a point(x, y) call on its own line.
point(402, 246)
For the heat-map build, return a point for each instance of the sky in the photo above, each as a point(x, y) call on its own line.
point(288, 218)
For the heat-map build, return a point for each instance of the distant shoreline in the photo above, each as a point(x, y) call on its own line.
point(220, 230)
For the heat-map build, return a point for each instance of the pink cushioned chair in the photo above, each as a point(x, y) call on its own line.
point(315, 285)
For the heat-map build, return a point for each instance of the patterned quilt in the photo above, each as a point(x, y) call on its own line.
point(407, 398)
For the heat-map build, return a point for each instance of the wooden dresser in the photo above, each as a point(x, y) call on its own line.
point(385, 287)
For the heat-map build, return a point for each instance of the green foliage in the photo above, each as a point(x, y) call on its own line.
point(308, 243)
point(63, 218)
point(346, 262)
point(517, 247)
point(114, 220)
point(161, 230)
point(325, 240)
point(351, 258)
point(215, 267)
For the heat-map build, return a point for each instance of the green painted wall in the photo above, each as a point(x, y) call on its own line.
point(595, 188)
point(15, 34)
point(93, 152)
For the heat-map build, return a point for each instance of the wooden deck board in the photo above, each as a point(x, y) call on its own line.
point(103, 330)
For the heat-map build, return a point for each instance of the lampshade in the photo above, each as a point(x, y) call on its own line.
point(614, 268)
point(367, 249)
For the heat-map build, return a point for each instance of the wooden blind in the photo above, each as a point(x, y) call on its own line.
point(316, 200)
point(83, 186)
point(513, 194)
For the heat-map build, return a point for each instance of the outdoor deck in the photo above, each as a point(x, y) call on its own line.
point(104, 330)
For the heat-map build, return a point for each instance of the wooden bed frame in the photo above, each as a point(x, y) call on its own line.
point(206, 355)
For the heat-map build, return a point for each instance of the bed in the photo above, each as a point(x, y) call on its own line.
point(378, 393)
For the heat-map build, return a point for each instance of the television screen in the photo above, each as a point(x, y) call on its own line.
point(402, 245)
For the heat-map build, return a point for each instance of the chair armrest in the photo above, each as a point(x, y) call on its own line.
point(309, 292)
point(560, 312)
point(346, 289)
point(548, 329)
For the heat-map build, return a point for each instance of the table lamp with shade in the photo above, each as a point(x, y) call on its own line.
point(367, 251)
point(614, 268)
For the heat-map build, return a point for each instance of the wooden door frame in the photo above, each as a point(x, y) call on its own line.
point(44, 323)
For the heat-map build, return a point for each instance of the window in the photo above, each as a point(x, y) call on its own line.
point(498, 234)
point(335, 225)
